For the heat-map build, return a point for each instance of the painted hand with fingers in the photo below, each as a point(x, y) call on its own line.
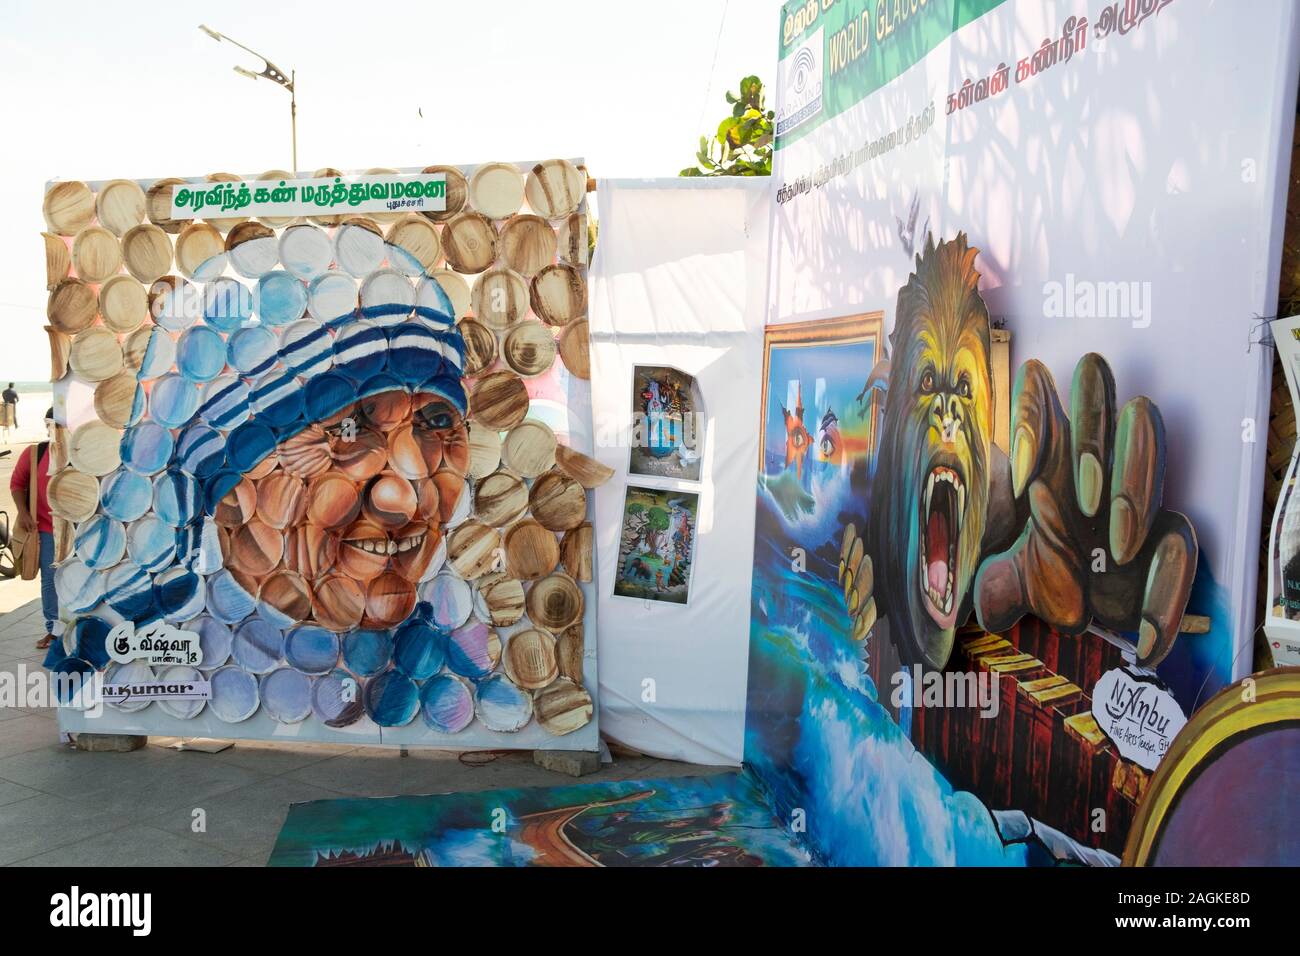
point(1095, 543)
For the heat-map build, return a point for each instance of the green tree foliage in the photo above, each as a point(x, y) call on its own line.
point(658, 519)
point(742, 145)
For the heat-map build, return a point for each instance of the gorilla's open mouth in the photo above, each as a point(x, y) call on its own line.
point(943, 512)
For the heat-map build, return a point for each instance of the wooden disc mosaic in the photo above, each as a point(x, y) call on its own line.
point(527, 244)
point(93, 448)
point(480, 346)
point(575, 552)
point(530, 660)
point(499, 299)
point(529, 448)
point(496, 190)
point(158, 205)
point(96, 254)
point(95, 355)
point(532, 552)
point(73, 495)
point(414, 247)
point(123, 304)
point(147, 251)
point(563, 707)
point(557, 501)
point(58, 260)
point(200, 251)
point(583, 469)
point(500, 498)
point(529, 348)
point(120, 206)
point(555, 188)
point(484, 452)
point(469, 241)
point(503, 598)
point(571, 240)
point(72, 306)
point(457, 192)
point(554, 602)
point(559, 294)
point(474, 549)
point(456, 288)
point(499, 400)
point(116, 399)
point(575, 349)
point(569, 648)
point(69, 208)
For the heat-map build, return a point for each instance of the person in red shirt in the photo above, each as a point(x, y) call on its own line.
point(42, 521)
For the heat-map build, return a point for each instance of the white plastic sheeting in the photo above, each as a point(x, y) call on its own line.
point(679, 279)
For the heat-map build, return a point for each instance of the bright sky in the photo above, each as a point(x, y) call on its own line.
point(92, 91)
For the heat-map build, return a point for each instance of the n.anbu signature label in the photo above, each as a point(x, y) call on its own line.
point(1137, 712)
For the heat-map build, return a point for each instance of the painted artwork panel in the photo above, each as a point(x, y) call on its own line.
point(668, 423)
point(719, 820)
point(657, 545)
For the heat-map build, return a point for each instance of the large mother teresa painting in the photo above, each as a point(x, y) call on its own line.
point(300, 446)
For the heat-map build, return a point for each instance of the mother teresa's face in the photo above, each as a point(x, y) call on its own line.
point(353, 506)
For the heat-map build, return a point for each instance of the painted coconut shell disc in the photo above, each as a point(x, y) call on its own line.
point(94, 448)
point(72, 306)
point(480, 346)
point(387, 297)
point(557, 501)
point(182, 709)
point(583, 469)
point(457, 192)
point(258, 646)
point(150, 351)
point(151, 544)
point(252, 249)
point(128, 591)
point(571, 239)
point(338, 602)
point(69, 208)
point(496, 190)
point(530, 659)
point(60, 348)
point(281, 500)
point(200, 354)
point(336, 699)
point(473, 549)
point(527, 244)
point(286, 598)
point(500, 498)
point(125, 495)
point(451, 600)
point(78, 587)
point(500, 599)
point(367, 652)
point(71, 687)
point(563, 707)
point(569, 649)
point(454, 287)
point(555, 188)
point(332, 501)
point(227, 304)
point(215, 639)
point(95, 354)
point(392, 699)
point(176, 498)
point(306, 251)
point(132, 672)
point(474, 650)
point(499, 400)
point(484, 452)
point(158, 205)
point(123, 303)
point(180, 594)
point(227, 599)
point(499, 298)
point(359, 247)
point(307, 348)
point(286, 695)
point(312, 650)
point(200, 252)
point(559, 294)
point(225, 402)
point(58, 261)
point(235, 694)
point(280, 298)
point(173, 401)
point(447, 704)
point(419, 651)
point(119, 401)
point(502, 706)
point(390, 598)
point(119, 206)
point(73, 495)
point(256, 549)
point(147, 251)
point(100, 542)
point(529, 349)
point(532, 552)
point(575, 552)
point(413, 245)
point(529, 448)
point(173, 303)
point(332, 298)
point(554, 602)
point(575, 349)
point(469, 241)
point(96, 254)
point(90, 636)
point(252, 351)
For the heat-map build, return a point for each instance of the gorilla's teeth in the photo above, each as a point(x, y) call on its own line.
point(929, 493)
point(961, 506)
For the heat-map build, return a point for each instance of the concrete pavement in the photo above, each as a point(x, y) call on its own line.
point(60, 806)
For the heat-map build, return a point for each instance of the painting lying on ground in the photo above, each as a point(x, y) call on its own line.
point(657, 545)
point(300, 422)
point(719, 820)
point(667, 424)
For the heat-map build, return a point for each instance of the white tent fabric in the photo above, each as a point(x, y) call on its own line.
point(679, 279)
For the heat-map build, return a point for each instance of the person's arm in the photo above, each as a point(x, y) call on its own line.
point(18, 485)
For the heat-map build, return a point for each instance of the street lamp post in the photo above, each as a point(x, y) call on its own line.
point(270, 72)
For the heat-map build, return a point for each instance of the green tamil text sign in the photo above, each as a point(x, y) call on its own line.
point(407, 192)
point(834, 53)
